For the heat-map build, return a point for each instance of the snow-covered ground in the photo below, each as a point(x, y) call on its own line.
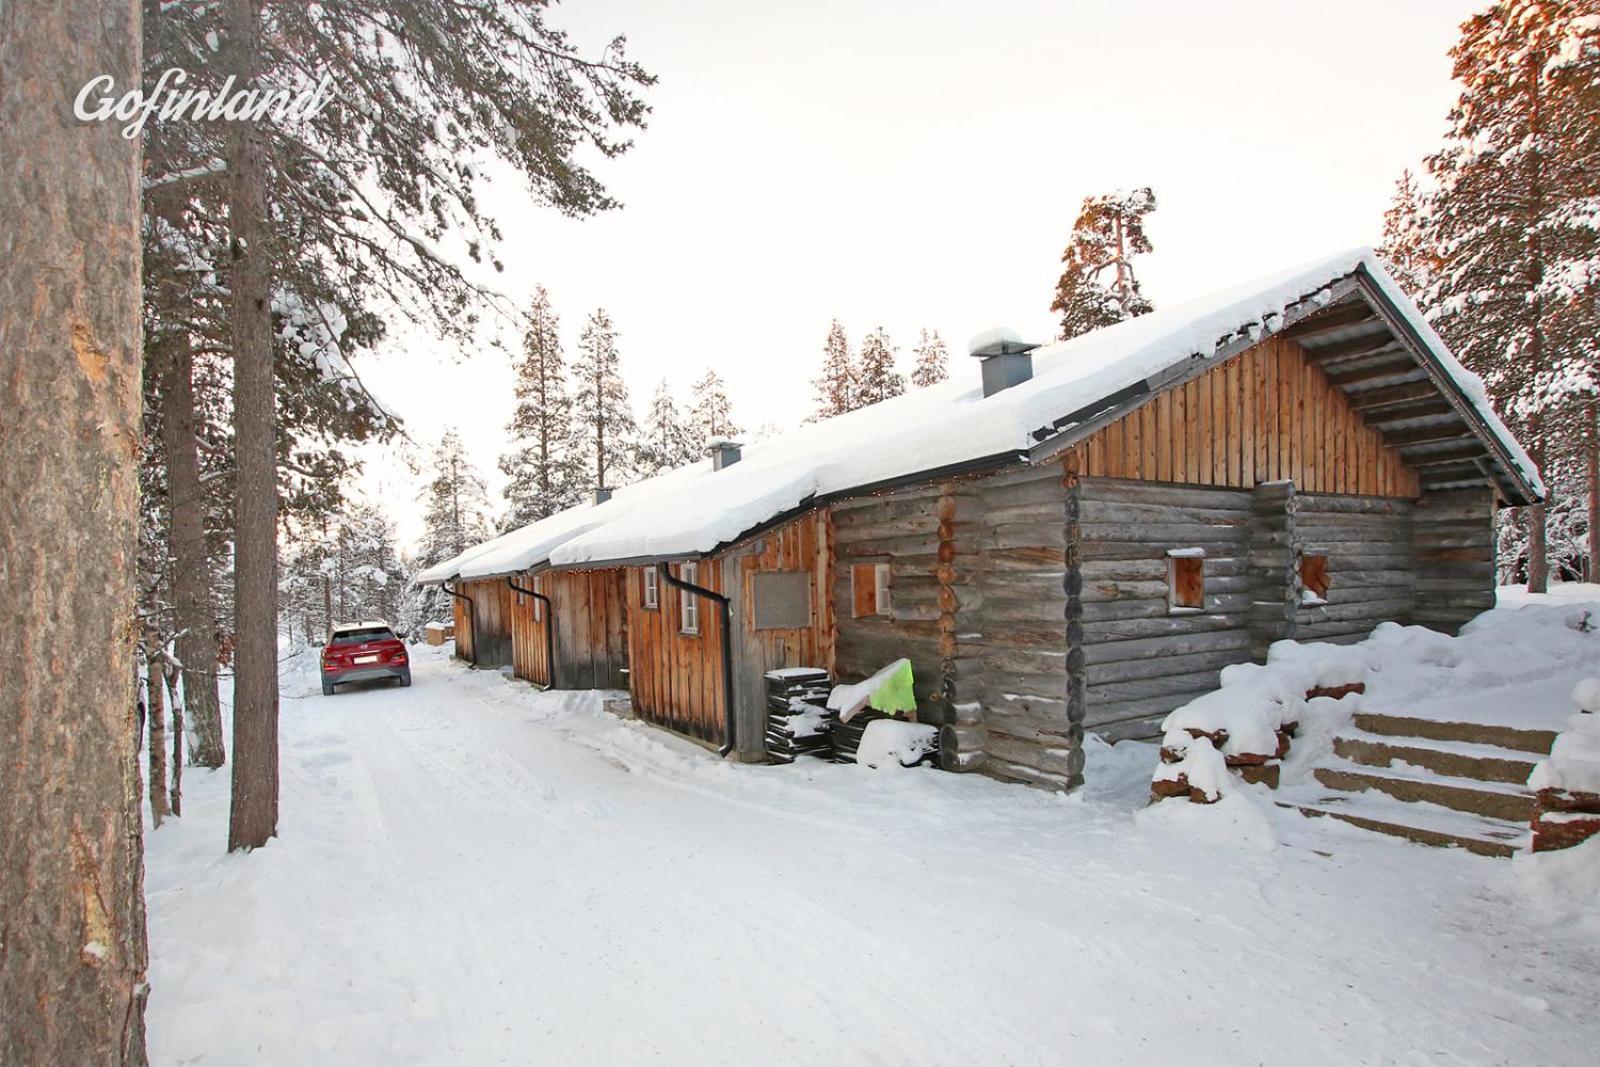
point(470, 871)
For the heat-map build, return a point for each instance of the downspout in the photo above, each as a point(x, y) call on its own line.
point(549, 631)
point(722, 603)
point(472, 621)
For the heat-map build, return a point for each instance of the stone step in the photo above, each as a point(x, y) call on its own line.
point(1422, 823)
point(1494, 800)
point(1518, 738)
point(1457, 759)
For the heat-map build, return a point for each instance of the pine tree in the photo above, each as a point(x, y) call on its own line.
point(711, 418)
point(836, 387)
point(1108, 233)
point(933, 360)
point(1516, 284)
point(604, 418)
point(667, 441)
point(456, 516)
point(876, 377)
point(543, 470)
point(1407, 248)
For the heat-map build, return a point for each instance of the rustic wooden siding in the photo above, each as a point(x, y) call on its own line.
point(801, 545)
point(1140, 660)
point(490, 637)
point(676, 679)
point(528, 657)
point(591, 643)
point(463, 628)
point(902, 530)
point(1267, 414)
point(1453, 556)
point(1367, 541)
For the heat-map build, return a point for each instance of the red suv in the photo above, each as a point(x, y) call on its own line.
point(361, 652)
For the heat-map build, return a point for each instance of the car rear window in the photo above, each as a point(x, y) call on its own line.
point(356, 637)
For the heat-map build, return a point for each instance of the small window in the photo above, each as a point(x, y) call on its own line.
point(1314, 580)
point(688, 603)
point(782, 600)
point(1186, 580)
point(869, 589)
point(652, 589)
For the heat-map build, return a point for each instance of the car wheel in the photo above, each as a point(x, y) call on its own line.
point(327, 689)
point(405, 678)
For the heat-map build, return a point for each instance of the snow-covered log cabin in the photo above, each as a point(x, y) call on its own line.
point(1082, 542)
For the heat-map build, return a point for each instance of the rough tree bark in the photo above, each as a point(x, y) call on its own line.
point(175, 791)
point(72, 966)
point(194, 610)
point(156, 744)
point(253, 817)
point(1593, 461)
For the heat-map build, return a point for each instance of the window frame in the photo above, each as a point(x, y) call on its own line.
point(650, 590)
point(1314, 596)
point(879, 604)
point(1186, 567)
point(688, 603)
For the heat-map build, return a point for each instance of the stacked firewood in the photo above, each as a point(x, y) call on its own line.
point(847, 735)
point(1567, 784)
point(798, 720)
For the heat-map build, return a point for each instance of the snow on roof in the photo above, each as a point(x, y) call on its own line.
point(696, 509)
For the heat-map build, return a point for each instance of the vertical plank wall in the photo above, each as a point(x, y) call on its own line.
point(1268, 414)
point(675, 678)
point(590, 621)
point(801, 545)
point(490, 637)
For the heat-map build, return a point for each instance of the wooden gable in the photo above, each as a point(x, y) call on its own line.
point(1267, 414)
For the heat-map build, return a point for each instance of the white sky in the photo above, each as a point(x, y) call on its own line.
point(911, 164)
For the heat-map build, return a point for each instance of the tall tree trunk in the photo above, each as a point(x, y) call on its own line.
point(175, 790)
point(253, 817)
point(196, 615)
point(1594, 490)
point(156, 745)
point(1538, 540)
point(72, 927)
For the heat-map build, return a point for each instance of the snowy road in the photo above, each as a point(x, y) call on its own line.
point(472, 872)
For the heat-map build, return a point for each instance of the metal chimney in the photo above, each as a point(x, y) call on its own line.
point(601, 495)
point(724, 453)
point(1006, 359)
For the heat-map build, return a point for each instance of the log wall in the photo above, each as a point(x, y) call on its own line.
point(801, 545)
point(1267, 414)
point(675, 679)
point(1367, 541)
point(1009, 693)
point(1140, 659)
point(901, 529)
point(1453, 557)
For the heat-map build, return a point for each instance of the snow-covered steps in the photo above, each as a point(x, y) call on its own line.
point(1495, 800)
point(1426, 824)
point(1433, 780)
point(1518, 738)
point(1462, 759)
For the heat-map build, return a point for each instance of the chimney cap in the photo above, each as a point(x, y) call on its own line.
point(601, 495)
point(725, 452)
point(1000, 341)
